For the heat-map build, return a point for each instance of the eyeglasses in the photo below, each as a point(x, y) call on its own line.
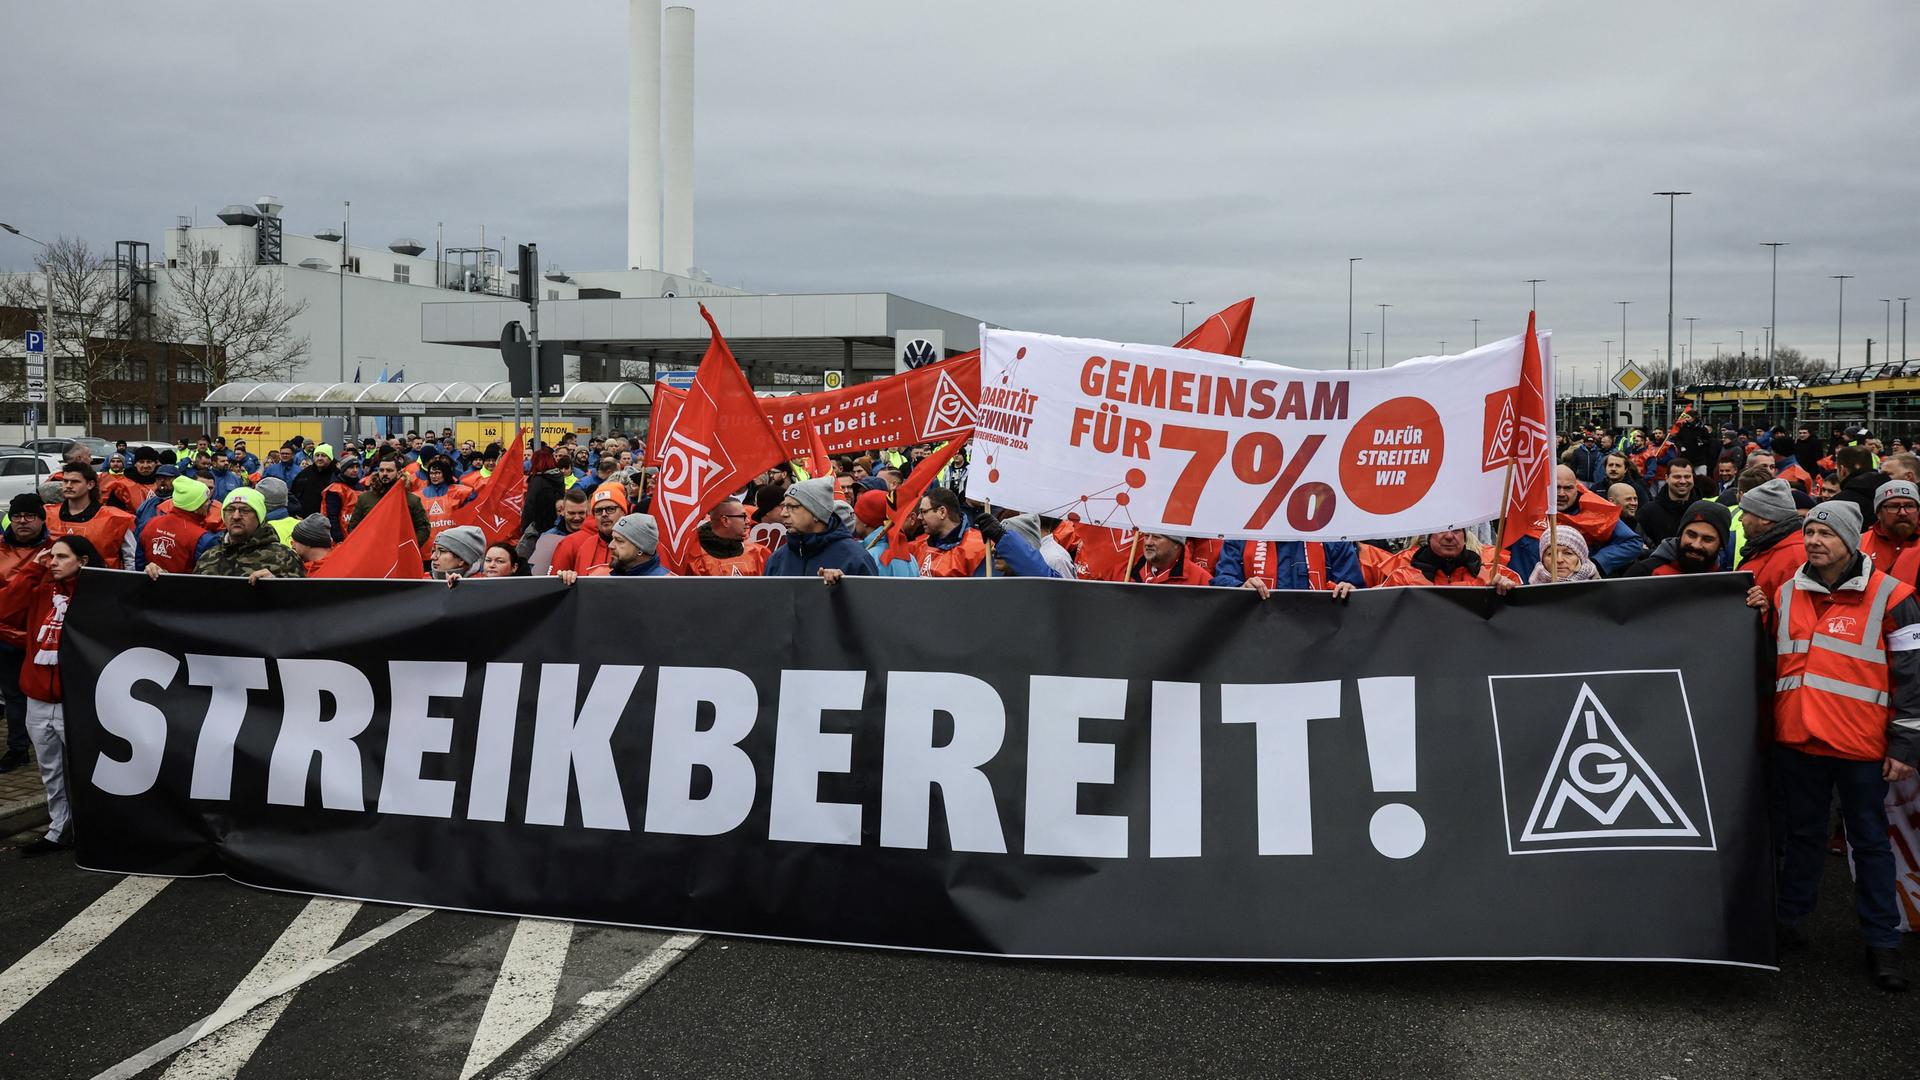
point(735, 517)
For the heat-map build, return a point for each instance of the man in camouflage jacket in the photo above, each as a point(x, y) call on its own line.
point(248, 549)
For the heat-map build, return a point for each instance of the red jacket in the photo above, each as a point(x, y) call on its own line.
point(35, 605)
point(580, 552)
point(1891, 557)
point(1777, 565)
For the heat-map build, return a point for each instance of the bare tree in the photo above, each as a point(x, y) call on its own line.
point(241, 314)
point(86, 355)
point(1727, 367)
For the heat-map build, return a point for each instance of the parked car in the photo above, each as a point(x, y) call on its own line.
point(58, 446)
point(21, 473)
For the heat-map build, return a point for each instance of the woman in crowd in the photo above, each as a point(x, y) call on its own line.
point(35, 601)
point(1565, 559)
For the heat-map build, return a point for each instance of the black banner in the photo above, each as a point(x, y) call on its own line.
point(1019, 767)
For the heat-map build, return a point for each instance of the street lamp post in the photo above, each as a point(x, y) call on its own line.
point(1183, 305)
point(1476, 333)
point(1773, 306)
point(1840, 320)
point(1350, 261)
point(1623, 330)
point(1886, 342)
point(53, 420)
point(1903, 327)
point(1443, 348)
point(1366, 352)
point(1383, 333)
point(1691, 319)
point(1534, 303)
point(1671, 197)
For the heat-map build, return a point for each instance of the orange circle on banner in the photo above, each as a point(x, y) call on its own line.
point(1392, 456)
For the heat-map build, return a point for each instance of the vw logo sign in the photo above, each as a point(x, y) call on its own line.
point(919, 353)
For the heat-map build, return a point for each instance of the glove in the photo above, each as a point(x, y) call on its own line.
point(991, 530)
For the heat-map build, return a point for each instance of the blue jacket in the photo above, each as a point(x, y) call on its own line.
point(876, 546)
point(806, 554)
point(223, 484)
point(1290, 564)
point(284, 473)
point(1622, 549)
point(644, 568)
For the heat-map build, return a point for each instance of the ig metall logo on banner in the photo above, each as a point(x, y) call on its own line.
point(1599, 761)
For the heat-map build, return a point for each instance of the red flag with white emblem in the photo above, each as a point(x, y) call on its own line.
point(1530, 479)
point(497, 509)
point(714, 443)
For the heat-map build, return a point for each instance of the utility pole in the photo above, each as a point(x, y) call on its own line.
point(1773, 308)
point(346, 226)
point(1350, 262)
point(1840, 320)
point(1672, 198)
point(1623, 330)
point(46, 345)
point(1383, 334)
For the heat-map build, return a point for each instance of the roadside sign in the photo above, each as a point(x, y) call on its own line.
point(679, 380)
point(1630, 379)
point(36, 342)
point(33, 416)
point(834, 380)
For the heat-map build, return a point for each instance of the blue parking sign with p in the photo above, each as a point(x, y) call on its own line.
point(36, 341)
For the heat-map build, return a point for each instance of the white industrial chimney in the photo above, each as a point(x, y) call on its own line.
point(643, 134)
point(676, 229)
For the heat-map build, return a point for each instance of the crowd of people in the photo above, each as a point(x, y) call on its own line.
point(1828, 525)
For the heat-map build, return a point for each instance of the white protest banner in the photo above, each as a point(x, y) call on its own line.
point(1195, 444)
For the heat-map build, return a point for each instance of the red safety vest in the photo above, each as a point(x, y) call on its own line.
point(751, 562)
point(1832, 687)
point(171, 539)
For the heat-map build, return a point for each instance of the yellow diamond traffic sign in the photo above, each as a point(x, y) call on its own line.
point(1629, 379)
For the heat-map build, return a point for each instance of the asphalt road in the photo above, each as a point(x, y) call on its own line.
point(96, 971)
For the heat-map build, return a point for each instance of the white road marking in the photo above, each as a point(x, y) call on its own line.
point(311, 935)
point(235, 1009)
point(597, 1008)
point(522, 997)
point(33, 972)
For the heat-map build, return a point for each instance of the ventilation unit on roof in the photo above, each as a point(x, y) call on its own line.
point(239, 214)
point(316, 264)
point(406, 245)
point(329, 234)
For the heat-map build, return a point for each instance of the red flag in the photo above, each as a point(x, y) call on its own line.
point(1530, 483)
point(382, 544)
point(1223, 333)
point(498, 508)
point(666, 402)
point(819, 463)
point(906, 497)
point(716, 441)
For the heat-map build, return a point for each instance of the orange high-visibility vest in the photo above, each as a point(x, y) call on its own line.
point(1832, 687)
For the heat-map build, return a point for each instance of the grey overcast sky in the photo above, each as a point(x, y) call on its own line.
point(1068, 167)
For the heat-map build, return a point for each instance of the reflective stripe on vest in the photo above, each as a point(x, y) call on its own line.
point(1832, 686)
point(1784, 641)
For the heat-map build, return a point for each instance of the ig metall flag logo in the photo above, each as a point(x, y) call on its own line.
point(1598, 761)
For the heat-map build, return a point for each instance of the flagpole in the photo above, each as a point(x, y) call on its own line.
point(989, 512)
point(1506, 500)
point(1132, 547)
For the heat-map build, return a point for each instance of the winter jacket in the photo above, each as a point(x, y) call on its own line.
point(238, 558)
point(1774, 556)
point(304, 490)
point(1666, 560)
point(221, 484)
point(901, 566)
point(725, 558)
point(806, 554)
point(286, 473)
point(1292, 566)
point(1858, 489)
point(580, 552)
point(34, 606)
point(1660, 516)
point(415, 509)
